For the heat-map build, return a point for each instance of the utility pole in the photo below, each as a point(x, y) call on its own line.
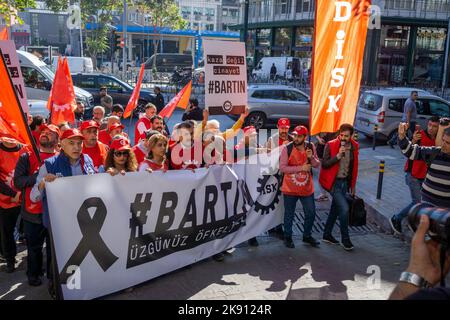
point(246, 19)
point(124, 51)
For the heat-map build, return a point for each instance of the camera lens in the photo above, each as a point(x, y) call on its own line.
point(439, 229)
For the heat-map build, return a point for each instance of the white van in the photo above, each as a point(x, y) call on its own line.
point(38, 79)
point(76, 64)
point(287, 68)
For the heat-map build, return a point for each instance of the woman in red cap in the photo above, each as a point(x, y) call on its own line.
point(120, 158)
point(156, 159)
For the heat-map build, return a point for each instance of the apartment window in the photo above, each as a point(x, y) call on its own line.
point(34, 20)
point(186, 10)
point(233, 13)
point(198, 11)
point(401, 4)
point(209, 27)
point(283, 6)
point(225, 12)
point(303, 6)
point(210, 12)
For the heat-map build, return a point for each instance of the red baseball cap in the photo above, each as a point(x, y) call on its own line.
point(88, 124)
point(249, 130)
point(301, 130)
point(50, 127)
point(284, 123)
point(115, 126)
point(120, 144)
point(71, 133)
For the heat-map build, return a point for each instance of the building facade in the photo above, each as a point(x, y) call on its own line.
point(408, 48)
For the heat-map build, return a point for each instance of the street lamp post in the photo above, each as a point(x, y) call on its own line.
point(124, 50)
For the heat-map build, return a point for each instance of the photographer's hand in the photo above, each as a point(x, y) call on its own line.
point(424, 262)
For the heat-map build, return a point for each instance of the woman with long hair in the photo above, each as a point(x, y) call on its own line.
point(120, 157)
point(156, 159)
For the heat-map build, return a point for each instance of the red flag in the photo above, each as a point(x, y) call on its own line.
point(62, 100)
point(4, 34)
point(339, 40)
point(181, 100)
point(135, 95)
point(13, 123)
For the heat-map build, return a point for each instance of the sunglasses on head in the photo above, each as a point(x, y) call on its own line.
point(121, 153)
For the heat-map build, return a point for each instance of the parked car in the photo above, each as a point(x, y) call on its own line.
point(117, 89)
point(38, 79)
point(76, 64)
point(268, 103)
point(384, 108)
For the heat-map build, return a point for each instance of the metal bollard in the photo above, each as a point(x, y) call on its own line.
point(380, 179)
point(375, 132)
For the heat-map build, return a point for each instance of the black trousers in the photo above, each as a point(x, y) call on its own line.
point(8, 219)
point(36, 234)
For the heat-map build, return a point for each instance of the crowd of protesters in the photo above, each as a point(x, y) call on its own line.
point(99, 145)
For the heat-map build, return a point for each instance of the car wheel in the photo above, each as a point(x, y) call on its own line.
point(256, 119)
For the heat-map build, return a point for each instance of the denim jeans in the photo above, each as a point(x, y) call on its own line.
point(36, 234)
point(415, 187)
point(309, 208)
point(339, 208)
point(8, 219)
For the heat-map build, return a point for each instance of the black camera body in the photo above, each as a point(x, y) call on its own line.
point(439, 222)
point(444, 122)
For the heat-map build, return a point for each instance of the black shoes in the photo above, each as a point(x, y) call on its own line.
point(347, 244)
point(310, 240)
point(10, 267)
point(34, 281)
point(218, 257)
point(289, 243)
point(396, 225)
point(330, 239)
point(253, 242)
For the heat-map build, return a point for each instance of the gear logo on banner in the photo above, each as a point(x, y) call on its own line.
point(270, 192)
point(227, 106)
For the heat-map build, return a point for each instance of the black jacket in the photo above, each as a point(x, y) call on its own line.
point(159, 102)
point(195, 114)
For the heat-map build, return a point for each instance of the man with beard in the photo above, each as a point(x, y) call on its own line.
point(91, 146)
point(282, 136)
point(337, 176)
point(10, 197)
point(296, 162)
point(79, 113)
point(25, 177)
point(69, 162)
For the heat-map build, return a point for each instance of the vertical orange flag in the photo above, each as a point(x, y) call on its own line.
point(4, 34)
point(181, 100)
point(339, 40)
point(13, 123)
point(62, 99)
point(132, 103)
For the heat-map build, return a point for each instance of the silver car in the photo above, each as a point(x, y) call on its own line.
point(384, 108)
point(38, 107)
point(268, 102)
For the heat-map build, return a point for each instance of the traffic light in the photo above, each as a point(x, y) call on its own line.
point(118, 42)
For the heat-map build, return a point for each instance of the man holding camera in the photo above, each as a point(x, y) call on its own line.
point(436, 186)
point(416, 170)
point(423, 271)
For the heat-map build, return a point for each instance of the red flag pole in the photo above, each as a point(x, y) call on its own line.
point(24, 118)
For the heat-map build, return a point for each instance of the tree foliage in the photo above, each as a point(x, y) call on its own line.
point(10, 8)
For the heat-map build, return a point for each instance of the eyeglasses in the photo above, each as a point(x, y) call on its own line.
point(121, 153)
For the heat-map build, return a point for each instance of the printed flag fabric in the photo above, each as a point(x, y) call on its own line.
point(181, 100)
point(132, 103)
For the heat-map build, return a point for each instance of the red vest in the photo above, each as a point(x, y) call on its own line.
point(327, 177)
point(98, 154)
point(8, 164)
point(419, 167)
point(30, 206)
point(140, 155)
point(137, 135)
point(104, 137)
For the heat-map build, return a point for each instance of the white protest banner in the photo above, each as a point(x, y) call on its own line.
point(225, 77)
point(111, 233)
point(12, 61)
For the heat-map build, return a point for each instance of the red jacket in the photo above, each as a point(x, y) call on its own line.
point(327, 176)
point(419, 167)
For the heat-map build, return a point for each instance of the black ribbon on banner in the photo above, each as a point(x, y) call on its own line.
point(91, 241)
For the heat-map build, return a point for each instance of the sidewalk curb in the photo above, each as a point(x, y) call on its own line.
point(377, 218)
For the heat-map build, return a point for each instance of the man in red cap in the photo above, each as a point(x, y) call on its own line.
point(69, 162)
point(115, 128)
point(338, 176)
point(91, 146)
point(144, 123)
point(25, 177)
point(10, 197)
point(282, 136)
point(296, 161)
